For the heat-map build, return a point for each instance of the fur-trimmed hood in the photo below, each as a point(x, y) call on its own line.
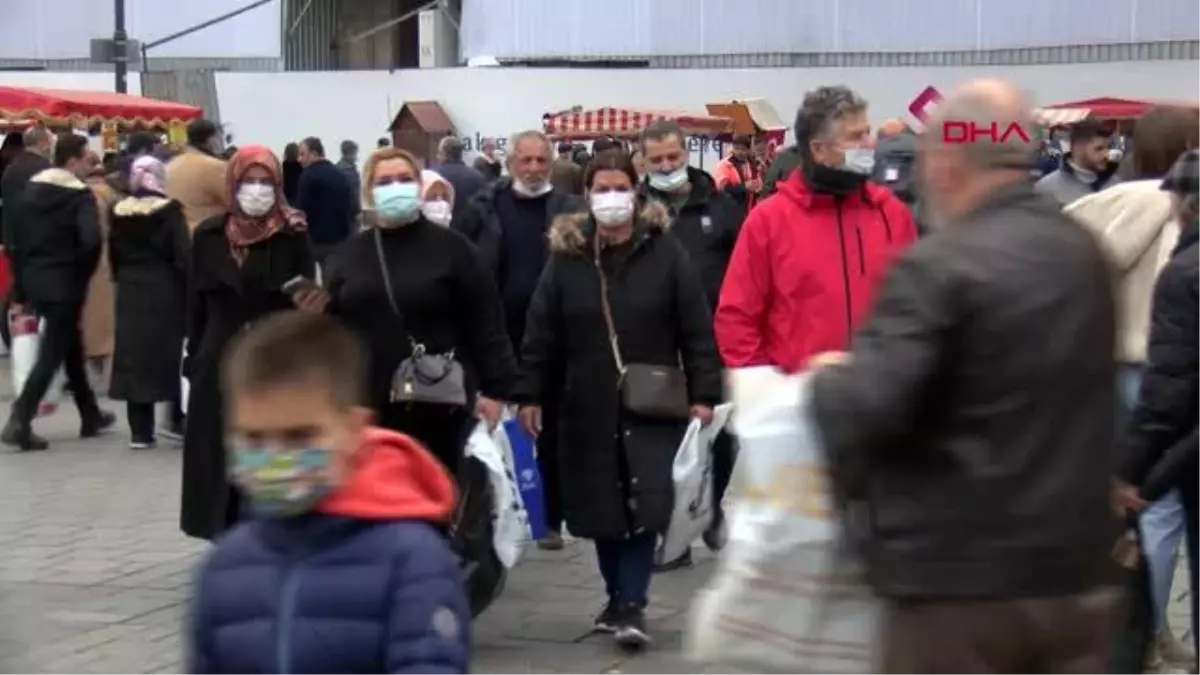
point(60, 178)
point(571, 232)
point(53, 190)
point(140, 206)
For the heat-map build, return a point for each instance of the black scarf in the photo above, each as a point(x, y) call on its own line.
point(829, 181)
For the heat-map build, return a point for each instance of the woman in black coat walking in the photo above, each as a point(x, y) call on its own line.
point(147, 253)
point(438, 293)
point(615, 465)
point(240, 263)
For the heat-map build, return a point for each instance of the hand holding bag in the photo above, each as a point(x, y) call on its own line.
point(647, 389)
point(422, 377)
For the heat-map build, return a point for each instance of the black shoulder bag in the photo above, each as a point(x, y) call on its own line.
point(422, 377)
point(647, 389)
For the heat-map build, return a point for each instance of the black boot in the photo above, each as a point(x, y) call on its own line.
point(95, 423)
point(682, 562)
point(21, 436)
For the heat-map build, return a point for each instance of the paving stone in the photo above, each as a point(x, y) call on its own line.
point(95, 576)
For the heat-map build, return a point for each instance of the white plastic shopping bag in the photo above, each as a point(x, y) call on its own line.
point(511, 524)
point(26, 332)
point(692, 474)
point(185, 385)
point(787, 595)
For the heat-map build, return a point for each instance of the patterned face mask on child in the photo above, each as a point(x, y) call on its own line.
point(282, 483)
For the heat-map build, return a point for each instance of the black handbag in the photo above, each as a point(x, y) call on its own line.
point(646, 389)
point(422, 377)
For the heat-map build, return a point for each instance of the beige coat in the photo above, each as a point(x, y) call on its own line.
point(98, 309)
point(197, 181)
point(1133, 222)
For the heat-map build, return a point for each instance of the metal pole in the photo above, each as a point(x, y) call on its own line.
point(120, 47)
point(201, 26)
point(391, 22)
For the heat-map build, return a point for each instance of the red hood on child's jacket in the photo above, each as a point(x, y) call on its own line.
point(393, 476)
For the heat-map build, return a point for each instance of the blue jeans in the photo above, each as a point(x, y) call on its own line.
point(627, 565)
point(1162, 525)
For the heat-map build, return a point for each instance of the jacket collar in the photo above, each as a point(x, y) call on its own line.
point(1001, 197)
point(60, 178)
point(572, 233)
point(1188, 236)
point(306, 533)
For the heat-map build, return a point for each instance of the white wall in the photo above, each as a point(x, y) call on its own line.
point(276, 108)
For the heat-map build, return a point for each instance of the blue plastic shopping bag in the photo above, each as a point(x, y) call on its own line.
point(529, 479)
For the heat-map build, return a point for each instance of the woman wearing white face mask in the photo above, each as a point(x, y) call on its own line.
point(437, 198)
point(615, 461)
point(240, 262)
point(438, 294)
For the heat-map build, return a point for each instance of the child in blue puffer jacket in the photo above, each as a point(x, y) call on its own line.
point(342, 568)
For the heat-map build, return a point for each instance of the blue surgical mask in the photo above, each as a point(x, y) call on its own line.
point(282, 483)
point(397, 203)
point(670, 181)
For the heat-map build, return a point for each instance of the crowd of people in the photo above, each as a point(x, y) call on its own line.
point(1000, 362)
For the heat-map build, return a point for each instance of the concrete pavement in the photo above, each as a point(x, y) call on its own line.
point(94, 574)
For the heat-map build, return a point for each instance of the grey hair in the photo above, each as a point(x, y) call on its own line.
point(821, 109)
point(979, 111)
point(528, 135)
point(450, 149)
point(37, 136)
point(659, 130)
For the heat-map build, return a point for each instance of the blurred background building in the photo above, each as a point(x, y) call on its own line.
point(301, 35)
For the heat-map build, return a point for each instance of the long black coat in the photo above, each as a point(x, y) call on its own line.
point(148, 255)
point(223, 299)
point(615, 467)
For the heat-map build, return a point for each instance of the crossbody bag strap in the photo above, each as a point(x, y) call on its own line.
point(383, 272)
point(606, 309)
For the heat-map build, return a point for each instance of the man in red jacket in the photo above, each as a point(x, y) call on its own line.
point(809, 258)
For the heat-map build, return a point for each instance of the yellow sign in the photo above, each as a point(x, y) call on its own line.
point(177, 134)
point(109, 138)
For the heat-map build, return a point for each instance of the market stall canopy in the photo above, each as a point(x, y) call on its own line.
point(580, 124)
point(84, 108)
point(1060, 117)
point(750, 116)
point(1109, 108)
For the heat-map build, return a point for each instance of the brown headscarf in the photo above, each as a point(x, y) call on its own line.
point(244, 231)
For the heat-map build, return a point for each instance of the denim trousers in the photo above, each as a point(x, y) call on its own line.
point(627, 565)
point(1162, 525)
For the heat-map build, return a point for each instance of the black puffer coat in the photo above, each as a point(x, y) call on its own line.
point(148, 247)
point(616, 467)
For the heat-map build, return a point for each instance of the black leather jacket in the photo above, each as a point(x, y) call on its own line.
point(975, 418)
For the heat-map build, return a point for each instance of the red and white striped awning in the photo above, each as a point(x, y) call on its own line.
point(1058, 117)
point(579, 124)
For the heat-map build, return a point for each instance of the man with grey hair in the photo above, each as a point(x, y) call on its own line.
point(465, 180)
point(973, 418)
point(809, 257)
point(38, 143)
point(509, 219)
